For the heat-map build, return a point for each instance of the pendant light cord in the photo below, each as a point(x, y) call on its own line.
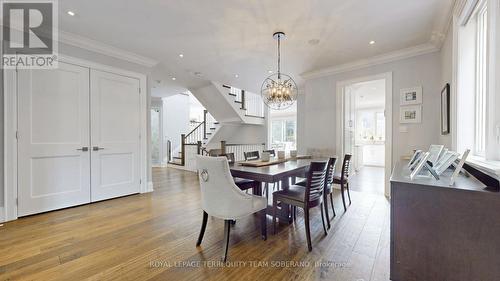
point(279, 57)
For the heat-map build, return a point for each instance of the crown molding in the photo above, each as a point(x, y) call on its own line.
point(380, 59)
point(105, 49)
point(442, 25)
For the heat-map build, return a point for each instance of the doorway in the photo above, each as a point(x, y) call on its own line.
point(156, 135)
point(365, 131)
point(79, 142)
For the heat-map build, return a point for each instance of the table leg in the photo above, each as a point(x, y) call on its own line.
point(284, 212)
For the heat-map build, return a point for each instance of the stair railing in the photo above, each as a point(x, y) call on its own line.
point(196, 137)
point(250, 102)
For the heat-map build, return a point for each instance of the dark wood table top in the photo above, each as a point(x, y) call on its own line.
point(274, 173)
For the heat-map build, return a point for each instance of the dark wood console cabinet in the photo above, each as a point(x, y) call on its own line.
point(444, 233)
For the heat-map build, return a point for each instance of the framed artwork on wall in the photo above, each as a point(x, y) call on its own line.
point(445, 110)
point(410, 114)
point(411, 96)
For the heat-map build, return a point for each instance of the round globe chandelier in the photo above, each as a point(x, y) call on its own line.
point(279, 90)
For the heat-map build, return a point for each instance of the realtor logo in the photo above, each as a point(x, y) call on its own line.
point(30, 34)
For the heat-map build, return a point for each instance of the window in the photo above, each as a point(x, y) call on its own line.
point(472, 82)
point(481, 80)
point(370, 125)
point(284, 134)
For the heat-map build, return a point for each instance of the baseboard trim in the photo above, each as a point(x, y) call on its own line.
point(150, 187)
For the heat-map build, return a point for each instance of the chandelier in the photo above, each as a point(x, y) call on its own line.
point(279, 91)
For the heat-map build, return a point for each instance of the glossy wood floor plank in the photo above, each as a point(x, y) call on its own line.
point(153, 236)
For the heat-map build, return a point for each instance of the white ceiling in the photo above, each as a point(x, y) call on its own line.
point(369, 94)
point(221, 38)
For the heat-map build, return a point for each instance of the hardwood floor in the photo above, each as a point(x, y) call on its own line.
point(153, 236)
point(368, 179)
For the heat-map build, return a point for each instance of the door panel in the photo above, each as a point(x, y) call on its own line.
point(115, 130)
point(53, 125)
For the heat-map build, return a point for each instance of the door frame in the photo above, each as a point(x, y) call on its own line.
point(10, 130)
point(155, 105)
point(388, 120)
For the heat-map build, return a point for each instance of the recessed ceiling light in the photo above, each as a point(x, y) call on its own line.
point(181, 55)
point(269, 71)
point(173, 78)
point(372, 42)
point(71, 13)
point(313, 42)
point(236, 76)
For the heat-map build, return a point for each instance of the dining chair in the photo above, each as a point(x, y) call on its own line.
point(222, 199)
point(243, 184)
point(272, 152)
point(343, 179)
point(305, 198)
point(330, 172)
point(276, 185)
point(251, 155)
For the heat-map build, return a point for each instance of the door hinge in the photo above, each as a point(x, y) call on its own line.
point(140, 181)
point(139, 91)
point(17, 201)
point(17, 135)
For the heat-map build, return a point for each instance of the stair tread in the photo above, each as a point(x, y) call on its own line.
point(254, 116)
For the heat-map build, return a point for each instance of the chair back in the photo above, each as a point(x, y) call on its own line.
point(230, 157)
point(315, 182)
point(251, 155)
point(220, 197)
point(330, 170)
point(345, 167)
point(214, 152)
point(272, 152)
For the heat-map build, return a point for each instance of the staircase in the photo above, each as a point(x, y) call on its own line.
point(196, 139)
point(231, 105)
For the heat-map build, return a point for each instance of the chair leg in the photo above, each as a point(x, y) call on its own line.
point(275, 206)
point(333, 207)
point(203, 227)
point(343, 196)
point(349, 193)
point(263, 224)
point(323, 218)
point(325, 200)
point(227, 228)
point(308, 229)
point(295, 212)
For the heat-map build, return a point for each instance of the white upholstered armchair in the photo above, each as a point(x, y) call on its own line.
point(221, 198)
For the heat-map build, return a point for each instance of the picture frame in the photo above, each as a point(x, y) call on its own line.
point(445, 110)
point(459, 166)
point(411, 96)
point(445, 161)
point(420, 165)
point(410, 114)
point(435, 151)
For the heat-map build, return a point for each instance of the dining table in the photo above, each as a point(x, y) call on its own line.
point(284, 172)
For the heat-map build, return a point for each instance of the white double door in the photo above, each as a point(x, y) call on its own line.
point(78, 137)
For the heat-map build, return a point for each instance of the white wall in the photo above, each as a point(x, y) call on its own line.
point(175, 121)
point(239, 134)
point(447, 76)
point(317, 113)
